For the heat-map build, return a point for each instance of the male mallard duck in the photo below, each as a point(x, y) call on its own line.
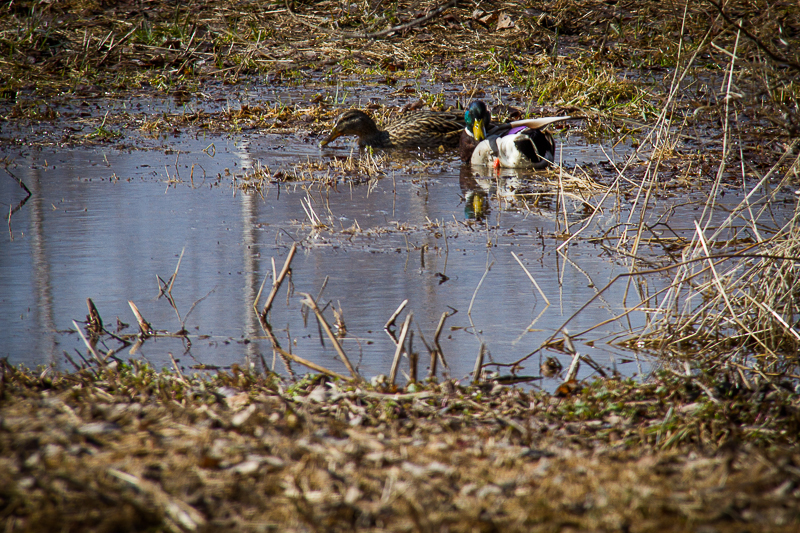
point(421, 129)
point(478, 120)
point(517, 144)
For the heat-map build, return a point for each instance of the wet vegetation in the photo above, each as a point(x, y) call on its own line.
point(707, 94)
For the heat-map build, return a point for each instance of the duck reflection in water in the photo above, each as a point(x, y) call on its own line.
point(476, 194)
point(511, 190)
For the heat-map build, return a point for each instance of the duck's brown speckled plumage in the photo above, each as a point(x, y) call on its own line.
point(422, 129)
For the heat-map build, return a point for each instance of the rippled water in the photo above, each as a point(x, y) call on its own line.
point(106, 223)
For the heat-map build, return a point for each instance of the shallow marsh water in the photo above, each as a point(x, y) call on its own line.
point(104, 223)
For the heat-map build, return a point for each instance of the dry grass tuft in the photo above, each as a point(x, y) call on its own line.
point(735, 294)
point(735, 302)
point(327, 173)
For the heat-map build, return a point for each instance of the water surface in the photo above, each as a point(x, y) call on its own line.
point(105, 224)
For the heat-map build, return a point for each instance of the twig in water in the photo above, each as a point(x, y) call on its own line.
point(94, 323)
point(437, 354)
point(338, 315)
point(413, 358)
point(97, 358)
point(12, 210)
point(390, 323)
point(177, 369)
point(263, 362)
point(276, 346)
point(772, 312)
point(185, 318)
point(276, 284)
point(721, 287)
point(591, 362)
point(304, 313)
point(474, 294)
point(562, 199)
point(307, 300)
point(531, 278)
point(175, 274)
point(165, 288)
point(162, 285)
point(431, 351)
point(297, 359)
point(399, 348)
point(258, 295)
point(573, 367)
point(144, 326)
point(446, 248)
point(72, 361)
point(309, 364)
point(476, 372)
point(20, 183)
point(721, 257)
point(569, 347)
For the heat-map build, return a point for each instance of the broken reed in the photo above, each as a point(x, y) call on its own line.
point(734, 303)
point(355, 168)
point(725, 299)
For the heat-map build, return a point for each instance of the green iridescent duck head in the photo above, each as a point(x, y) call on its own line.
point(478, 118)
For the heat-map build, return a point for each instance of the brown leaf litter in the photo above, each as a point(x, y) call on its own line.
point(129, 449)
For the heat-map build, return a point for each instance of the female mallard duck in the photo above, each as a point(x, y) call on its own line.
point(423, 129)
point(518, 144)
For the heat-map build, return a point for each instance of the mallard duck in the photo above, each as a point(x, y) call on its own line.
point(478, 119)
point(517, 144)
point(421, 129)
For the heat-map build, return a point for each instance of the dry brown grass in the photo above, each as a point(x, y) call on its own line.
point(128, 449)
point(601, 59)
point(737, 292)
